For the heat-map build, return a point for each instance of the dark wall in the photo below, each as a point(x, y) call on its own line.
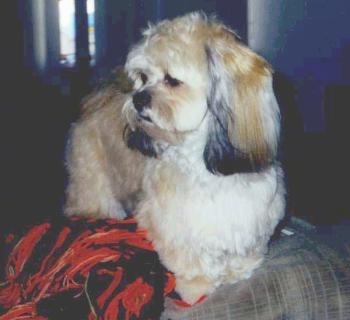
point(233, 13)
point(308, 41)
point(119, 23)
point(34, 121)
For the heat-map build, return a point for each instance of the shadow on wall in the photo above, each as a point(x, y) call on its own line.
point(37, 120)
point(316, 164)
point(291, 135)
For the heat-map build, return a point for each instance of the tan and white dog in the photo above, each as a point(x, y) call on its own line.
point(190, 150)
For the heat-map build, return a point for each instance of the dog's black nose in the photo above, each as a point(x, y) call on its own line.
point(141, 100)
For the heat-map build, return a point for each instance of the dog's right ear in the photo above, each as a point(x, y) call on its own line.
point(220, 156)
point(244, 115)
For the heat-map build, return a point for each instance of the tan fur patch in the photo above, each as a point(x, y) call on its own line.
point(249, 73)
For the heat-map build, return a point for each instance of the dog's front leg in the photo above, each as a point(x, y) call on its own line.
point(89, 191)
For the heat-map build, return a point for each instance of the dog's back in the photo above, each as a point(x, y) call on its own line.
point(101, 168)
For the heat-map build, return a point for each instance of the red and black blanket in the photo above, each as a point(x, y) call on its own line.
point(83, 269)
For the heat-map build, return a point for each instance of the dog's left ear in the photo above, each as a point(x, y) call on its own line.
point(244, 115)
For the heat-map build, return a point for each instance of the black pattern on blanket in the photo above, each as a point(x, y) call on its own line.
point(83, 269)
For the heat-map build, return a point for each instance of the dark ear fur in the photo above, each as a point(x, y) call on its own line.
point(140, 141)
point(220, 156)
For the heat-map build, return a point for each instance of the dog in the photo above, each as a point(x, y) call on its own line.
point(190, 150)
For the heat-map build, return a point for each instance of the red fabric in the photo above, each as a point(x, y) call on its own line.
point(83, 269)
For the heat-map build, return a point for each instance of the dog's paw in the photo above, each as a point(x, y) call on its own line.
point(112, 210)
point(172, 311)
point(193, 290)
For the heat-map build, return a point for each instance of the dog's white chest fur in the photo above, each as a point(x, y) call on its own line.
point(204, 224)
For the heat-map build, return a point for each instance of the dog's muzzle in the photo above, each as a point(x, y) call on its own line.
point(141, 100)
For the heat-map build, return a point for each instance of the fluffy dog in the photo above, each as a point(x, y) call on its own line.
point(191, 150)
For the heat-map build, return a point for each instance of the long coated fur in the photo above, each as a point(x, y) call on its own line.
point(190, 150)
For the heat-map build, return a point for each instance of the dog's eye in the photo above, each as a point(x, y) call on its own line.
point(143, 77)
point(170, 81)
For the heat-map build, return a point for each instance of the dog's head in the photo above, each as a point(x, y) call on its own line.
point(192, 73)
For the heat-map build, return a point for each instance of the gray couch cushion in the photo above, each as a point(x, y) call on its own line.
point(306, 275)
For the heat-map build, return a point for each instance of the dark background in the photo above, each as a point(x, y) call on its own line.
point(307, 42)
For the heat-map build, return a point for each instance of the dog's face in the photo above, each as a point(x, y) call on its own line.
point(192, 73)
point(170, 86)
